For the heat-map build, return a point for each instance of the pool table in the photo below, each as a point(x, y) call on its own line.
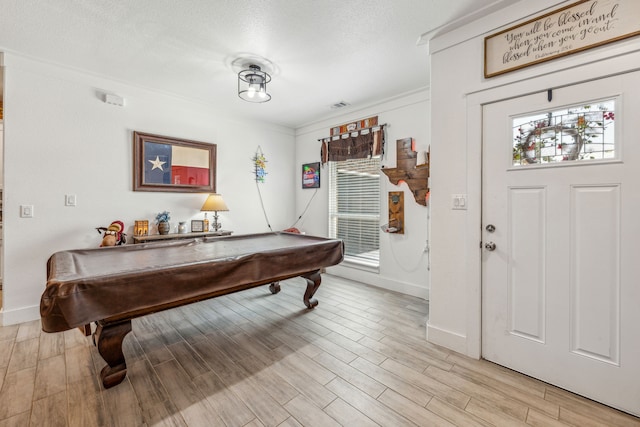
point(113, 285)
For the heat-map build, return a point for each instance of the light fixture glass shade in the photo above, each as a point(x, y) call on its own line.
point(214, 203)
point(252, 84)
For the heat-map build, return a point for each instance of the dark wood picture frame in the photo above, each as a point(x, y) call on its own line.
point(163, 163)
point(311, 175)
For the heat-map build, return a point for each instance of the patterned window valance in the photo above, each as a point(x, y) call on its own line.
point(360, 144)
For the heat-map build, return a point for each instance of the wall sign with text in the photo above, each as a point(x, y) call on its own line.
point(311, 175)
point(574, 28)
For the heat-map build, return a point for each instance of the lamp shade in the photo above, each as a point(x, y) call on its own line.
point(214, 203)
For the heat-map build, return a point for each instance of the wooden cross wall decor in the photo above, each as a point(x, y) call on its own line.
point(416, 176)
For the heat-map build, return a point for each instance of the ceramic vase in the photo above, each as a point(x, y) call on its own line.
point(163, 227)
point(182, 227)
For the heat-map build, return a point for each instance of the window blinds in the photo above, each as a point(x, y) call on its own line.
point(354, 208)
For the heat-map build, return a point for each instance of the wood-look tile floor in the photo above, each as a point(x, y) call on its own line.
point(254, 359)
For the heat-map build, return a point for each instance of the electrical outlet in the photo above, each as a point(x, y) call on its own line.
point(26, 211)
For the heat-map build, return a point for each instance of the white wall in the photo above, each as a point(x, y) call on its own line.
point(60, 138)
point(403, 261)
point(458, 91)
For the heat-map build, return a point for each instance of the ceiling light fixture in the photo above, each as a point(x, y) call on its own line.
point(252, 84)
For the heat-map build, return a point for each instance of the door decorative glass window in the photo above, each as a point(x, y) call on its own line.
point(581, 132)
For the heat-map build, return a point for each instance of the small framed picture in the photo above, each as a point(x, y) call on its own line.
point(197, 226)
point(311, 175)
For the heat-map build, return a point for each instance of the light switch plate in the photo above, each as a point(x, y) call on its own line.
point(26, 211)
point(459, 201)
point(70, 200)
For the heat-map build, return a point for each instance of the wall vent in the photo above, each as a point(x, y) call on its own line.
point(113, 99)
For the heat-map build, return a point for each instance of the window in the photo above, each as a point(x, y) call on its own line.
point(581, 132)
point(354, 208)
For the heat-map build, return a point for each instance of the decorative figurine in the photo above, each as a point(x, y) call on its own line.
point(113, 235)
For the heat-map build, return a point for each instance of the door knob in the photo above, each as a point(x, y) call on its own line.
point(490, 228)
point(490, 246)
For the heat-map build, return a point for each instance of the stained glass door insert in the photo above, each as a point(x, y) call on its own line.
point(582, 132)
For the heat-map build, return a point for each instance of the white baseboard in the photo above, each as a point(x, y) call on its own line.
point(374, 279)
point(451, 340)
point(21, 315)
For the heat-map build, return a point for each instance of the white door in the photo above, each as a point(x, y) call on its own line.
point(561, 192)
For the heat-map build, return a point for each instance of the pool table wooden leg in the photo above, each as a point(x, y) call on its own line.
point(108, 338)
point(274, 287)
point(313, 283)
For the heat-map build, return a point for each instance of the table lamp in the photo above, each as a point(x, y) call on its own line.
point(214, 203)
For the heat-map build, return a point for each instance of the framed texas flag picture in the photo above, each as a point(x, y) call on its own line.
point(162, 163)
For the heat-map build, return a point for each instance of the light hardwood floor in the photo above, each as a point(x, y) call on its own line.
point(254, 359)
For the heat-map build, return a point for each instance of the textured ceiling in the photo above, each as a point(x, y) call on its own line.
point(323, 51)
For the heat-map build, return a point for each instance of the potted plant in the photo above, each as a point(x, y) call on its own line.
point(162, 220)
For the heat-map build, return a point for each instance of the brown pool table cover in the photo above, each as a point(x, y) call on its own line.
point(124, 282)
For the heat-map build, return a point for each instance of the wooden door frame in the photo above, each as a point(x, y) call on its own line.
point(475, 102)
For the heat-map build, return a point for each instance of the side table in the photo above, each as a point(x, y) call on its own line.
point(176, 236)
